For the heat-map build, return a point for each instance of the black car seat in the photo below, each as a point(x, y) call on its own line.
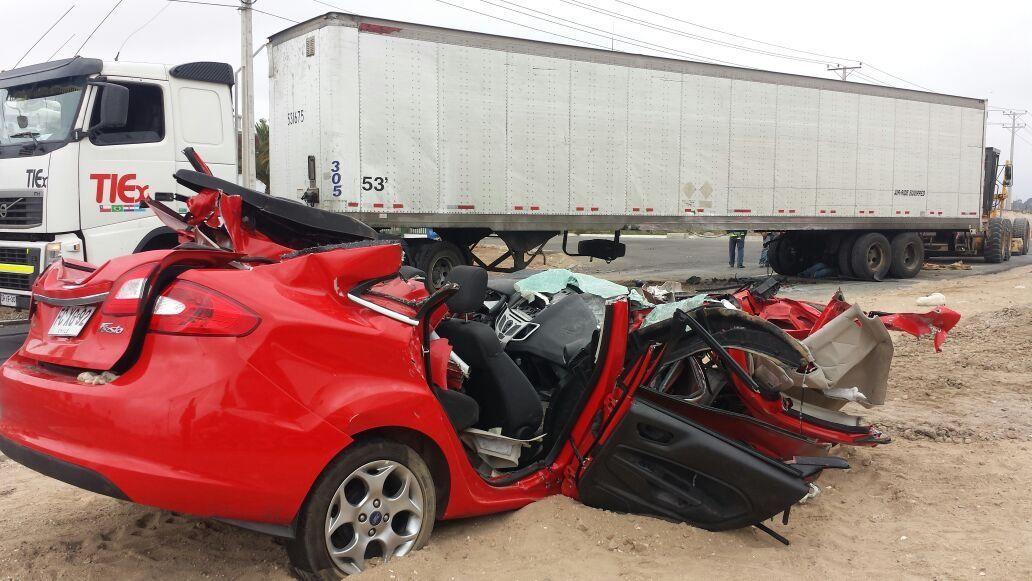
point(505, 395)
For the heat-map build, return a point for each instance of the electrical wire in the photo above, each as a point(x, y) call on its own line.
point(608, 35)
point(144, 25)
point(697, 25)
point(291, 20)
point(64, 44)
point(577, 40)
point(99, 24)
point(888, 74)
point(43, 36)
point(620, 16)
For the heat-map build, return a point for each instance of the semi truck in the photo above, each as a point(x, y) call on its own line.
point(470, 135)
point(411, 126)
point(83, 141)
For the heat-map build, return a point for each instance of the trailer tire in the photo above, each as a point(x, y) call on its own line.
point(907, 255)
point(437, 259)
point(1023, 231)
point(995, 239)
point(872, 256)
point(845, 255)
point(785, 257)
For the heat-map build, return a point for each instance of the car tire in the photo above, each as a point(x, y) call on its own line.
point(845, 255)
point(1022, 230)
point(437, 259)
point(907, 255)
point(347, 499)
point(995, 239)
point(872, 256)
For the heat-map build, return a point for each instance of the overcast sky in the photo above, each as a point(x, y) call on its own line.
point(948, 46)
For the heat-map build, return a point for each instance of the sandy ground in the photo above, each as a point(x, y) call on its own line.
point(949, 499)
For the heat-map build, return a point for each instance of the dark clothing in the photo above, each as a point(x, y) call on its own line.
point(736, 243)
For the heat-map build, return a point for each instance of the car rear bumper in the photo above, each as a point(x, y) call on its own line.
point(203, 435)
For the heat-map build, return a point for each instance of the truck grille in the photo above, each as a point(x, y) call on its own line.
point(14, 256)
point(22, 211)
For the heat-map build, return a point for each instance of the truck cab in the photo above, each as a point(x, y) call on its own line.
point(84, 141)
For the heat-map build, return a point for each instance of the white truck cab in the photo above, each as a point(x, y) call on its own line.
point(82, 141)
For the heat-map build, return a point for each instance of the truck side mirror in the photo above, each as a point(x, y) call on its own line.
point(114, 106)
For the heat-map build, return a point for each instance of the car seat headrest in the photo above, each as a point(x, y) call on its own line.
point(472, 281)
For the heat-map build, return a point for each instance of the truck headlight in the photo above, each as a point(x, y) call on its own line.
point(51, 253)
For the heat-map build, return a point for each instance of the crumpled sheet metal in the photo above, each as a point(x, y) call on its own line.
point(556, 279)
point(852, 353)
point(938, 321)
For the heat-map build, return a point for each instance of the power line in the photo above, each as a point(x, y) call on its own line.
point(657, 26)
point(690, 23)
point(607, 35)
point(234, 7)
point(65, 43)
point(523, 25)
point(43, 36)
point(99, 24)
point(886, 73)
point(144, 25)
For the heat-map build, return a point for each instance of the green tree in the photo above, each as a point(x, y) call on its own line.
point(261, 152)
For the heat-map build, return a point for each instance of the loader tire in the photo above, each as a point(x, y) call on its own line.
point(845, 255)
point(907, 255)
point(1008, 233)
point(1022, 231)
point(995, 239)
point(872, 256)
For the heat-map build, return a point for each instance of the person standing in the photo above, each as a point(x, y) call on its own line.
point(768, 237)
point(736, 243)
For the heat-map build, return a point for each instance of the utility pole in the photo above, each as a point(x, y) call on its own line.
point(1014, 126)
point(246, 91)
point(843, 71)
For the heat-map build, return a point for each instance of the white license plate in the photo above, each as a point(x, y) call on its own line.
point(71, 320)
point(8, 300)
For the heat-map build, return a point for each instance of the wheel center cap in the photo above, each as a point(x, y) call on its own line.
point(375, 518)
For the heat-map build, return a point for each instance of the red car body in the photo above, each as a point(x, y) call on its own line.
point(235, 378)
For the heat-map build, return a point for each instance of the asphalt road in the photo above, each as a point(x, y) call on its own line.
point(657, 258)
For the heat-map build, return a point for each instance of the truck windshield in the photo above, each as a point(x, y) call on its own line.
point(42, 112)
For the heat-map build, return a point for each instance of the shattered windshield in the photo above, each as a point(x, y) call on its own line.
point(43, 111)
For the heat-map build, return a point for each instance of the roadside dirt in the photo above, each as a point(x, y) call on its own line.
point(948, 499)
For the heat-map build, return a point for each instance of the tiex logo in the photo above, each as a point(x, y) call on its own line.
point(119, 188)
point(35, 178)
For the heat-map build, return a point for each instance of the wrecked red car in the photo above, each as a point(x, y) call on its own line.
point(283, 371)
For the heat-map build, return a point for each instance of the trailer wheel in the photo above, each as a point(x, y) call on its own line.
point(437, 259)
point(907, 255)
point(1022, 230)
point(995, 239)
point(872, 256)
point(845, 255)
point(785, 258)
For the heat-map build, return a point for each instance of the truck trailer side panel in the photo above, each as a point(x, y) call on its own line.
point(421, 126)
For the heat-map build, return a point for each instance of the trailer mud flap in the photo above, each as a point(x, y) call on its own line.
point(659, 463)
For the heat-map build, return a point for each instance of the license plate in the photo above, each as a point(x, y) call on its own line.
point(71, 320)
point(8, 300)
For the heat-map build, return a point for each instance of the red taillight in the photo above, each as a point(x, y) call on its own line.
point(187, 308)
point(125, 295)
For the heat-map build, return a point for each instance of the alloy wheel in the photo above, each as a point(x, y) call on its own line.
point(376, 512)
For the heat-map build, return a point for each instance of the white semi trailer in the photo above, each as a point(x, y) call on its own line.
point(406, 125)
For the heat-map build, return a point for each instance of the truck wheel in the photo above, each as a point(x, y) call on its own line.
point(785, 258)
point(845, 255)
point(872, 256)
point(437, 259)
point(1008, 233)
point(907, 255)
point(1022, 231)
point(995, 238)
point(376, 500)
